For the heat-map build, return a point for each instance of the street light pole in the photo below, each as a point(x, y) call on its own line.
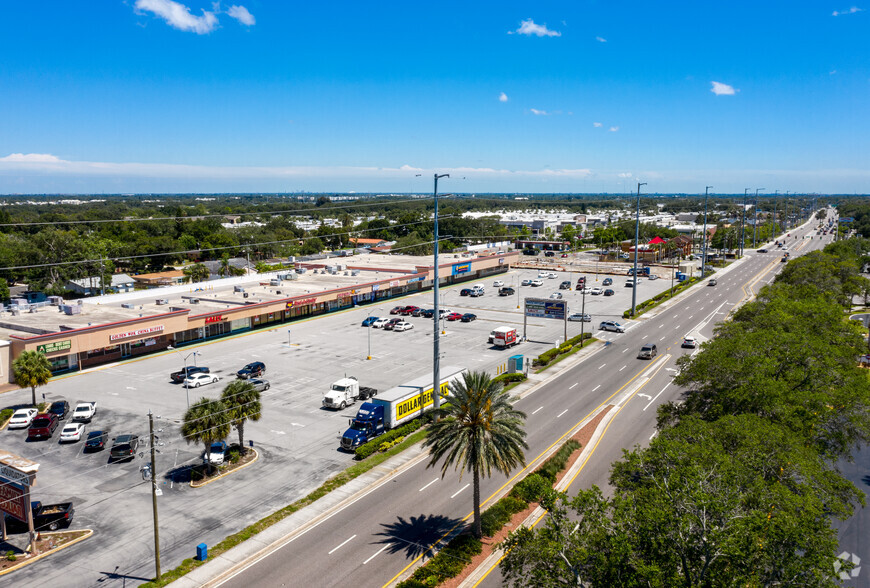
point(704, 236)
point(154, 496)
point(785, 215)
point(636, 247)
point(743, 223)
point(755, 216)
point(775, 202)
point(436, 352)
point(369, 314)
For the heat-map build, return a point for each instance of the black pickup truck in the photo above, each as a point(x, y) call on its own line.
point(180, 375)
point(48, 517)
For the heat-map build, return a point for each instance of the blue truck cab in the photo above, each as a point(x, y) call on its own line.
point(368, 424)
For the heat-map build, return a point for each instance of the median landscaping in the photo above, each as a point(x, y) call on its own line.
point(660, 298)
point(557, 354)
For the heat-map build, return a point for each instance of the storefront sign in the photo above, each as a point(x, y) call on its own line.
point(375, 287)
point(13, 475)
point(54, 347)
point(136, 333)
point(394, 283)
point(461, 268)
point(302, 302)
point(13, 500)
point(214, 319)
point(501, 260)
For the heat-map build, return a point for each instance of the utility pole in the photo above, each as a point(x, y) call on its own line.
point(436, 353)
point(636, 247)
point(102, 273)
point(154, 495)
point(775, 202)
point(582, 319)
point(755, 217)
point(704, 254)
point(743, 223)
point(785, 214)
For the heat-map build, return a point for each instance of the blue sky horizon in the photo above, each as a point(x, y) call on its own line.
point(166, 96)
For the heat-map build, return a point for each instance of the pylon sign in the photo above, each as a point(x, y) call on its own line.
point(546, 308)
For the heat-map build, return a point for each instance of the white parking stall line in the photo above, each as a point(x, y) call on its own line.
point(537, 409)
point(379, 551)
point(334, 549)
point(427, 485)
point(596, 387)
point(572, 386)
point(455, 494)
point(561, 413)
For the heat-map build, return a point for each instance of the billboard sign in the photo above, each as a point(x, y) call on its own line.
point(13, 500)
point(546, 308)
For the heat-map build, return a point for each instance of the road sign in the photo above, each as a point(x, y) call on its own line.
point(13, 500)
point(546, 308)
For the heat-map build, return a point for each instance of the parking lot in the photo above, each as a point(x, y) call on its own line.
point(296, 438)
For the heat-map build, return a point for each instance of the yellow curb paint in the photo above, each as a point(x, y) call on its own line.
point(50, 551)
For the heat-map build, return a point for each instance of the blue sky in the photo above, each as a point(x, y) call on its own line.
point(165, 96)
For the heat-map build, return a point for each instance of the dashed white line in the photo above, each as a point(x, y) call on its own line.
point(460, 490)
point(561, 413)
point(624, 350)
point(623, 367)
point(427, 485)
point(334, 549)
point(376, 554)
point(653, 435)
point(539, 408)
point(662, 339)
point(599, 367)
point(572, 386)
point(596, 387)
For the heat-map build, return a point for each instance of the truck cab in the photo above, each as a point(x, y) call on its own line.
point(346, 391)
point(368, 424)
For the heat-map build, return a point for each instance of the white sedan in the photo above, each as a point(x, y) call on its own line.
point(596, 291)
point(197, 380)
point(497, 284)
point(379, 324)
point(403, 326)
point(536, 283)
point(22, 418)
point(72, 432)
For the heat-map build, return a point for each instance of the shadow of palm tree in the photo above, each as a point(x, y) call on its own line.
point(866, 480)
point(179, 475)
point(416, 535)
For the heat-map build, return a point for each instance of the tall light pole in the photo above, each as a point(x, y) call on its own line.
point(785, 215)
point(743, 223)
point(755, 217)
point(436, 352)
point(775, 202)
point(186, 375)
point(636, 247)
point(704, 236)
point(368, 314)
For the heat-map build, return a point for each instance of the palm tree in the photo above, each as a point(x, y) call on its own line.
point(242, 402)
point(205, 422)
point(477, 431)
point(31, 369)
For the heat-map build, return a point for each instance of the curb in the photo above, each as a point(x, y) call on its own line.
point(232, 471)
point(89, 533)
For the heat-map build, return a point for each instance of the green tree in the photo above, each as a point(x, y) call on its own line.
point(196, 272)
point(205, 422)
point(478, 431)
point(31, 369)
point(242, 402)
point(4, 290)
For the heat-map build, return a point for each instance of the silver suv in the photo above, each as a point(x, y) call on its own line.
point(648, 351)
point(611, 326)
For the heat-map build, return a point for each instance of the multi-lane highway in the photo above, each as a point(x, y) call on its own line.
point(376, 538)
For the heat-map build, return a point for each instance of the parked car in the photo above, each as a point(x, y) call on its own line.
point(215, 454)
point(647, 351)
point(526, 283)
point(765, 250)
point(403, 326)
point(428, 313)
point(259, 384)
point(418, 312)
point(453, 316)
point(497, 284)
point(22, 418)
point(596, 291)
point(653, 277)
point(611, 326)
point(59, 408)
point(536, 283)
point(629, 283)
point(369, 321)
point(556, 296)
point(585, 290)
point(506, 291)
point(689, 342)
point(552, 275)
point(579, 316)
point(465, 292)
point(72, 432)
point(188, 371)
point(609, 292)
point(124, 447)
point(379, 324)
point(564, 255)
point(408, 310)
point(711, 282)
point(566, 285)
point(392, 323)
point(84, 412)
point(477, 292)
point(468, 317)
point(607, 282)
point(197, 380)
point(96, 440)
point(255, 368)
point(43, 426)
point(397, 310)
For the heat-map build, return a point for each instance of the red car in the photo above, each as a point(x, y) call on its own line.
point(454, 316)
point(43, 426)
point(408, 310)
point(397, 310)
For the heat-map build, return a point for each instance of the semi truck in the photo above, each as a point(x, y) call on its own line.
point(396, 406)
point(346, 391)
point(504, 337)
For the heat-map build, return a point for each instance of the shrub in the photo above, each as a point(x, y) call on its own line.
point(500, 513)
point(551, 468)
point(376, 444)
point(5, 414)
point(531, 488)
point(10, 556)
point(448, 563)
point(510, 378)
point(233, 454)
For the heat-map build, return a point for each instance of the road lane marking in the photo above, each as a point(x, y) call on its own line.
point(602, 365)
point(572, 386)
point(596, 387)
point(561, 413)
point(537, 409)
point(334, 549)
point(376, 554)
point(460, 490)
point(624, 350)
point(623, 367)
point(653, 435)
point(662, 339)
point(427, 485)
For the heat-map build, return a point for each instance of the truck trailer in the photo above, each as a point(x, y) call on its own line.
point(395, 407)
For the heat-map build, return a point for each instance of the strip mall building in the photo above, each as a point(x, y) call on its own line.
point(105, 329)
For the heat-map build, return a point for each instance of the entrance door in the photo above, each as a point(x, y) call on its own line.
point(125, 350)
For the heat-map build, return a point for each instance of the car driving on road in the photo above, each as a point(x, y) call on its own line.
point(689, 342)
point(579, 316)
point(611, 326)
point(647, 351)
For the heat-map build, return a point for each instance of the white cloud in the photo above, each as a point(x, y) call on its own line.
point(832, 72)
point(502, 97)
point(178, 16)
point(596, 124)
point(624, 175)
point(241, 14)
point(529, 28)
point(537, 112)
point(601, 39)
point(852, 10)
point(613, 129)
point(31, 158)
point(721, 89)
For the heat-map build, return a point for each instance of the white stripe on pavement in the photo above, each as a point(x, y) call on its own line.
point(460, 490)
point(427, 485)
point(376, 554)
point(334, 549)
